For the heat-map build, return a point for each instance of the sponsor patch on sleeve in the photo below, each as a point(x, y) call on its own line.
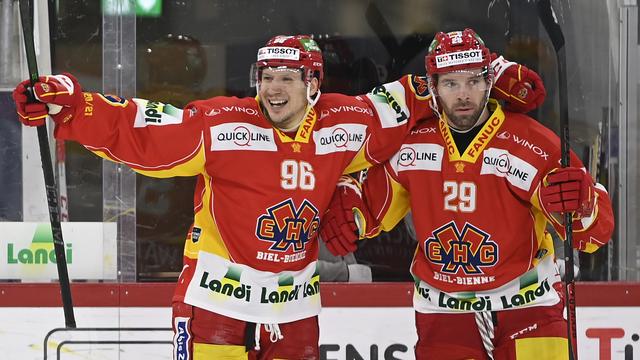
point(153, 113)
point(389, 102)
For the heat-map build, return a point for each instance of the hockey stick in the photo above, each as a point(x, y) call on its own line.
point(550, 23)
point(26, 11)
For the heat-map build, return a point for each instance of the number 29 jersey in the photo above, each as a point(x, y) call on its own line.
point(482, 234)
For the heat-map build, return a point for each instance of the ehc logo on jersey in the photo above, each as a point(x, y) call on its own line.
point(468, 249)
point(286, 226)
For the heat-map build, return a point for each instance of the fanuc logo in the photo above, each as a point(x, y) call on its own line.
point(41, 250)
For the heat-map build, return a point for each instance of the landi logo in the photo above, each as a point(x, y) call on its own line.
point(41, 250)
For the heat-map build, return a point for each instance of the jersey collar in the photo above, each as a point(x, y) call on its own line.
point(472, 152)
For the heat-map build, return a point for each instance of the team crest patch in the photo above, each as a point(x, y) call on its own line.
point(469, 249)
point(420, 86)
point(114, 100)
point(287, 226)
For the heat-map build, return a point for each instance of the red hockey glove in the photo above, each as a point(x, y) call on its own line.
point(339, 229)
point(521, 88)
point(58, 96)
point(29, 113)
point(568, 189)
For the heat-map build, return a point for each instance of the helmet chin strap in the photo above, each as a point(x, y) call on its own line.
point(312, 101)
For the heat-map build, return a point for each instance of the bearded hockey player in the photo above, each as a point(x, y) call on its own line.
point(266, 169)
point(482, 184)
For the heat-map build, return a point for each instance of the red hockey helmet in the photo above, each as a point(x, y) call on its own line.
point(457, 51)
point(298, 52)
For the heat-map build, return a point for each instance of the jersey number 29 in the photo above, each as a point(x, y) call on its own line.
point(459, 196)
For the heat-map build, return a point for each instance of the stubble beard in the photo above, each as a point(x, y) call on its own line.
point(463, 122)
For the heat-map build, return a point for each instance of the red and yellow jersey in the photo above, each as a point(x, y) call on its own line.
point(260, 192)
point(481, 231)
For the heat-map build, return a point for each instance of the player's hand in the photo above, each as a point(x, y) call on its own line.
point(520, 87)
point(339, 229)
point(568, 189)
point(55, 95)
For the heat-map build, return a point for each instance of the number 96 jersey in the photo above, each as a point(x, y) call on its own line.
point(251, 252)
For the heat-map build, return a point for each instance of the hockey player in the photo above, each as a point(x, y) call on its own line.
point(482, 184)
point(266, 168)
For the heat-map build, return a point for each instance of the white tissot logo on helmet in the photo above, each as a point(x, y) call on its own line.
point(278, 52)
point(241, 136)
point(459, 58)
point(344, 137)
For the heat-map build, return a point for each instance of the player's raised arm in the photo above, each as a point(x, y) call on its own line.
point(139, 133)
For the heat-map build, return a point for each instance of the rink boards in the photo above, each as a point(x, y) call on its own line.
point(359, 321)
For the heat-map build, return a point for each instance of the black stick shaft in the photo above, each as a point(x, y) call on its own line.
point(26, 11)
point(550, 23)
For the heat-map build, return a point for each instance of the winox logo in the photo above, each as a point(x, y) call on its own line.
point(505, 135)
point(41, 250)
point(287, 226)
point(469, 249)
point(217, 111)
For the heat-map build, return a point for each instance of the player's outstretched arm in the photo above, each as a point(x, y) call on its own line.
point(139, 133)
